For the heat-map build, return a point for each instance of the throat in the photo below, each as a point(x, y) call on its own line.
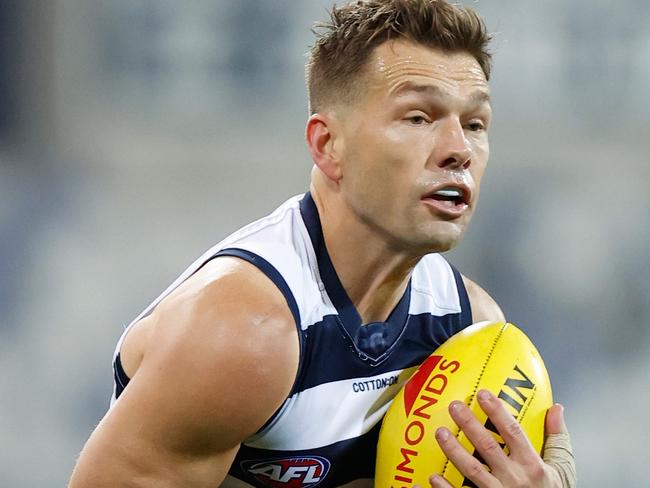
point(377, 305)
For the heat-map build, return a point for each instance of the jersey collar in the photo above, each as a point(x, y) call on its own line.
point(372, 339)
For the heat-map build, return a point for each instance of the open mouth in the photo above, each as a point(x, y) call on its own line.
point(449, 199)
point(450, 194)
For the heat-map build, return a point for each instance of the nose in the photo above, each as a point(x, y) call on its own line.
point(452, 149)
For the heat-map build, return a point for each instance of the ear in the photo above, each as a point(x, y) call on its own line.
point(322, 140)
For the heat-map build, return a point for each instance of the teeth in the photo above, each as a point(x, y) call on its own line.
point(449, 192)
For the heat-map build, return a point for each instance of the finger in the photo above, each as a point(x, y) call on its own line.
point(558, 453)
point(481, 438)
point(555, 420)
point(506, 425)
point(467, 464)
point(437, 481)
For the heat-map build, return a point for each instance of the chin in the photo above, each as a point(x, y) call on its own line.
point(442, 245)
point(422, 245)
point(425, 238)
point(443, 238)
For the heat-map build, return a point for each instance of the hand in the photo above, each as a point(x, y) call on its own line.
point(523, 467)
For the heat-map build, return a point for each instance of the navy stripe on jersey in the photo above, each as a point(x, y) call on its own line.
point(371, 341)
point(121, 378)
point(359, 454)
point(331, 357)
point(269, 270)
point(466, 308)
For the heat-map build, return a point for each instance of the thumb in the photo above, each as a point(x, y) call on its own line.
point(557, 453)
point(555, 420)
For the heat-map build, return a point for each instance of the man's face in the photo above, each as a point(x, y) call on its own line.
point(415, 145)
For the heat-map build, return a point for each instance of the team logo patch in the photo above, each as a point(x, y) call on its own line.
point(292, 472)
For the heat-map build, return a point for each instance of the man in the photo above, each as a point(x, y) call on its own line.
point(272, 359)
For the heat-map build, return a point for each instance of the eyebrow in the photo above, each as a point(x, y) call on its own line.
point(478, 96)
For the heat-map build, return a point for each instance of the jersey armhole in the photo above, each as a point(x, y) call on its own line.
point(270, 271)
point(274, 275)
point(122, 379)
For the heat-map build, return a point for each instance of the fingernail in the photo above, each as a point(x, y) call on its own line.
point(454, 407)
point(562, 420)
point(442, 434)
point(484, 396)
point(435, 480)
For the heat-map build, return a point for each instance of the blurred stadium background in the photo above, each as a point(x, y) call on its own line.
point(133, 135)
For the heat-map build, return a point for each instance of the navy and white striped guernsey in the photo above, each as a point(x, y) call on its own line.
point(326, 431)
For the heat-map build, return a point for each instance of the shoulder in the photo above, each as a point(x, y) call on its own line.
point(484, 307)
point(222, 352)
point(220, 357)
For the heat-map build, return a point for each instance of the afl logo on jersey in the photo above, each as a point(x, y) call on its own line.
point(292, 472)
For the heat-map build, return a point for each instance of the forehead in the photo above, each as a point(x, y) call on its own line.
point(396, 64)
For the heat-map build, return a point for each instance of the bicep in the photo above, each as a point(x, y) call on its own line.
point(118, 455)
point(200, 390)
point(151, 437)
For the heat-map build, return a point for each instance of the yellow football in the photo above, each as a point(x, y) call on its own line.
point(488, 355)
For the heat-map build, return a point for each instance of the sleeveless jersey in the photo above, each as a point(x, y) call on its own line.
point(326, 431)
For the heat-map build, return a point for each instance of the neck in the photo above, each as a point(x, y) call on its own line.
point(373, 275)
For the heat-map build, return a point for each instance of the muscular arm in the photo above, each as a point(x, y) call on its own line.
point(220, 358)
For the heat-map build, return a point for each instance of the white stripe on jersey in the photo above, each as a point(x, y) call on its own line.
point(433, 287)
point(337, 402)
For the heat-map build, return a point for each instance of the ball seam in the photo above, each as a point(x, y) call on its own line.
point(480, 377)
